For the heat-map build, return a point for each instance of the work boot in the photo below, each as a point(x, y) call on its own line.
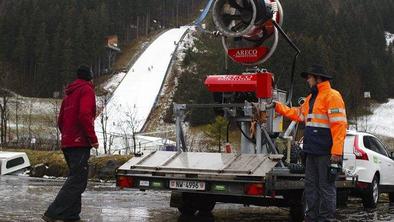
point(49, 219)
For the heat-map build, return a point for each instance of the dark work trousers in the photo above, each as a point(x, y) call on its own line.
point(320, 193)
point(67, 204)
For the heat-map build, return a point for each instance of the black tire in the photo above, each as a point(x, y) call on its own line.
point(391, 197)
point(297, 207)
point(342, 198)
point(187, 207)
point(187, 210)
point(296, 168)
point(295, 154)
point(203, 203)
point(206, 207)
point(297, 213)
point(194, 202)
point(370, 196)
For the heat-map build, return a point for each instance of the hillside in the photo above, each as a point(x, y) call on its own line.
point(42, 42)
point(347, 37)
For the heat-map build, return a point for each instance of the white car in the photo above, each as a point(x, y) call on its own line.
point(368, 158)
point(13, 162)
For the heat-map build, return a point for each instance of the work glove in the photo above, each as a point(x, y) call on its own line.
point(271, 105)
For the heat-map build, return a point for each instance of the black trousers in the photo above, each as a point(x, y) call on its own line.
point(320, 191)
point(67, 204)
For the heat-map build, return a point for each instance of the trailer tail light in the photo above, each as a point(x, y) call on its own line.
point(360, 154)
point(125, 182)
point(254, 189)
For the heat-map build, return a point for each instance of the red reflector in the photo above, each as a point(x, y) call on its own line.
point(254, 189)
point(125, 182)
point(360, 154)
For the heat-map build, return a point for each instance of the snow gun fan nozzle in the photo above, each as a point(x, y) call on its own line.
point(248, 34)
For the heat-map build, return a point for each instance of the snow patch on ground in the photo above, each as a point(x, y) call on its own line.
point(187, 43)
point(389, 38)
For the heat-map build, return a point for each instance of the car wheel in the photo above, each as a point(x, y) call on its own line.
point(370, 195)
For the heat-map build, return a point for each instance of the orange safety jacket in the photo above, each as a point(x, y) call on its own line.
point(324, 115)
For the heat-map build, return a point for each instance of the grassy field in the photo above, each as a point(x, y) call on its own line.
point(56, 164)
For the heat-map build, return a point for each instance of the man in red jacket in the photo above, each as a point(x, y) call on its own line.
point(76, 124)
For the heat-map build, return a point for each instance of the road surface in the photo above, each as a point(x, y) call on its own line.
point(25, 199)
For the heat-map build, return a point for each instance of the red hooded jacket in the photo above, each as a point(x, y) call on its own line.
point(77, 114)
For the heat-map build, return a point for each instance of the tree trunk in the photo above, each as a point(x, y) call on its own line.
point(134, 143)
point(138, 27)
point(17, 119)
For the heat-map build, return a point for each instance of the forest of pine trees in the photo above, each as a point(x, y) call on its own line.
point(347, 37)
point(43, 41)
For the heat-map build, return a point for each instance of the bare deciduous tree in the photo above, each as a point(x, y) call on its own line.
point(130, 126)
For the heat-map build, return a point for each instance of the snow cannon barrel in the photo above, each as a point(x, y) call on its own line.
point(260, 83)
point(247, 18)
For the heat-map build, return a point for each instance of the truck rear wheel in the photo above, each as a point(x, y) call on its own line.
point(187, 210)
point(206, 207)
point(297, 206)
point(183, 203)
point(189, 203)
point(203, 203)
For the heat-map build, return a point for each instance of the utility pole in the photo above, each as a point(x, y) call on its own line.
point(367, 96)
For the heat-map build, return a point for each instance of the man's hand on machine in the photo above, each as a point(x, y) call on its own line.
point(271, 105)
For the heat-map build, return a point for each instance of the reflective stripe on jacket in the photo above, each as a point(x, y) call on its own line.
point(324, 115)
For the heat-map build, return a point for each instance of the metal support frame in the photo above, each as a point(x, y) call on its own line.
point(247, 146)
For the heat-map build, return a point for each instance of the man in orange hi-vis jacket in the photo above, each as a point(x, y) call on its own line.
point(325, 129)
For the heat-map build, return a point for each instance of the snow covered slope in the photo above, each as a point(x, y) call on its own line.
point(381, 122)
point(133, 100)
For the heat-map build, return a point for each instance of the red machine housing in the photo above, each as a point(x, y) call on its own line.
point(260, 83)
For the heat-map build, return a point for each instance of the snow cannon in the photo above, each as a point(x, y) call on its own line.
point(247, 27)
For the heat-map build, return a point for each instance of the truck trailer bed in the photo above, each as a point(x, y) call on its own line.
point(203, 164)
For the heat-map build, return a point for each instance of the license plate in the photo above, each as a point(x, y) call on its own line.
point(187, 185)
point(144, 183)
